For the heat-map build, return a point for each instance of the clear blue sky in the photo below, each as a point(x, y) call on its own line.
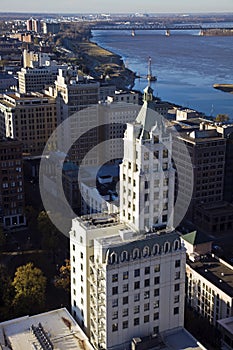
point(113, 6)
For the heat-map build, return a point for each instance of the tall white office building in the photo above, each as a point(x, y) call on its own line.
point(128, 270)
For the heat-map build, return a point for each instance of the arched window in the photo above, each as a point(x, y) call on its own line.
point(146, 251)
point(176, 244)
point(156, 249)
point(166, 247)
point(113, 258)
point(124, 255)
point(136, 254)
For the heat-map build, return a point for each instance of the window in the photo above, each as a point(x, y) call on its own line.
point(177, 263)
point(124, 255)
point(176, 310)
point(135, 254)
point(156, 316)
point(146, 307)
point(136, 309)
point(147, 283)
point(81, 255)
point(146, 197)
point(137, 273)
point(146, 295)
point(147, 185)
point(166, 246)
point(157, 280)
point(113, 258)
point(165, 153)
point(115, 277)
point(176, 245)
point(114, 290)
point(176, 299)
point(137, 285)
point(115, 327)
point(156, 304)
point(156, 330)
point(125, 312)
point(81, 266)
point(136, 322)
point(125, 275)
point(177, 275)
point(125, 300)
point(157, 268)
point(125, 288)
point(136, 297)
point(147, 270)
point(156, 249)
point(146, 318)
point(125, 324)
point(176, 287)
point(115, 315)
point(115, 303)
point(146, 251)
point(73, 247)
point(156, 292)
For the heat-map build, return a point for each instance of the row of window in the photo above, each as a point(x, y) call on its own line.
point(146, 294)
point(146, 251)
point(146, 319)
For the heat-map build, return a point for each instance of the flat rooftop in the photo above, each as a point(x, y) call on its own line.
point(182, 340)
point(215, 272)
point(59, 326)
point(227, 323)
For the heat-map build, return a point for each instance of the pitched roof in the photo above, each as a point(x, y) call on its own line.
point(147, 116)
point(196, 238)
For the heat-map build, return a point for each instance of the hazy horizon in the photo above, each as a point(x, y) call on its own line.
point(105, 6)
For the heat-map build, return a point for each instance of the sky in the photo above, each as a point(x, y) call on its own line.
point(120, 6)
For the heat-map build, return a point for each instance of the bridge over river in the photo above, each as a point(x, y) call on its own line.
point(167, 28)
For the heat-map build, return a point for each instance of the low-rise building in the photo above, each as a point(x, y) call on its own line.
point(209, 289)
point(226, 329)
point(50, 330)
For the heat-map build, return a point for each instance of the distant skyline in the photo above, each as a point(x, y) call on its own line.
point(120, 6)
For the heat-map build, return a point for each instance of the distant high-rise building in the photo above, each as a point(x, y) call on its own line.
point(210, 148)
point(12, 197)
point(34, 25)
point(51, 27)
point(35, 79)
point(30, 118)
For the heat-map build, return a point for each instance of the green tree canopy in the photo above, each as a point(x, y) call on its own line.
point(222, 118)
point(63, 279)
point(29, 284)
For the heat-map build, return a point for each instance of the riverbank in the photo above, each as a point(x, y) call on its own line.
point(106, 64)
point(97, 61)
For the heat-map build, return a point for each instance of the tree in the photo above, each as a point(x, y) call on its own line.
point(222, 117)
point(5, 286)
point(49, 231)
point(29, 284)
point(63, 279)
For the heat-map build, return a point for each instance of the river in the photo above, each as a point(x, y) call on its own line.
point(186, 65)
